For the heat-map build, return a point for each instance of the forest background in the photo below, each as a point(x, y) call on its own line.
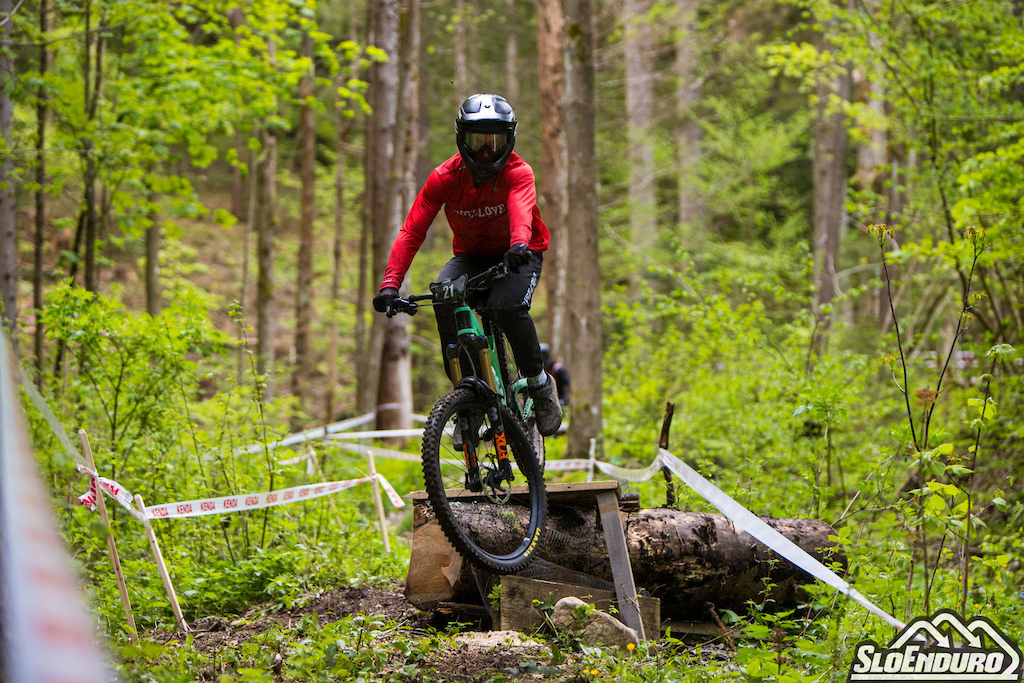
point(799, 221)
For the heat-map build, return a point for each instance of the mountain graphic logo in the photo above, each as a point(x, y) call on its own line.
point(940, 649)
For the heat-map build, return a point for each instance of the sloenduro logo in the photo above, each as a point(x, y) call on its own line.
point(940, 649)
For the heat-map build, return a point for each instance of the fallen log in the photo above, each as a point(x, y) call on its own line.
point(686, 559)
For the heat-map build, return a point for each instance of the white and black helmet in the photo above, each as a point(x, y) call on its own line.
point(485, 133)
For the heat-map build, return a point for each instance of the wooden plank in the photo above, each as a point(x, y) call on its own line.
point(618, 555)
point(699, 628)
point(517, 611)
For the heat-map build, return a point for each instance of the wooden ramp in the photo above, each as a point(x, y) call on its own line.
point(516, 610)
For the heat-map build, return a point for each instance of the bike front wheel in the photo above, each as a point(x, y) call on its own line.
point(491, 513)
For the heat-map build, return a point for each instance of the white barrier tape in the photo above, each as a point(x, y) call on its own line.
point(628, 474)
point(255, 501)
point(109, 487)
point(40, 403)
point(310, 434)
point(384, 453)
point(48, 634)
point(757, 528)
point(377, 434)
point(320, 433)
point(303, 457)
point(566, 465)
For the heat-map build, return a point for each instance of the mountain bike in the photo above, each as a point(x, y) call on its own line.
point(491, 512)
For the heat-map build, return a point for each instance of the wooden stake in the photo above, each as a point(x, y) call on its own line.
point(161, 566)
point(378, 502)
point(133, 632)
point(666, 425)
point(593, 458)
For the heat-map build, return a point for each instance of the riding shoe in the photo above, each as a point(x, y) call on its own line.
point(546, 407)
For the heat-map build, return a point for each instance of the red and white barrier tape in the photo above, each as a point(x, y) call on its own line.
point(48, 633)
point(255, 501)
point(109, 487)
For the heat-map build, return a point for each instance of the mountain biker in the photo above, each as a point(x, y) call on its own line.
point(490, 199)
point(557, 370)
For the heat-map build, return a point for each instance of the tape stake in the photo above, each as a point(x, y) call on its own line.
point(378, 503)
point(115, 560)
point(757, 528)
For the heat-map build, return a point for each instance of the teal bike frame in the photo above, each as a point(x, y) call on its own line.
point(471, 333)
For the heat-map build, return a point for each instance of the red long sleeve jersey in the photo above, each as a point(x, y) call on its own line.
point(485, 220)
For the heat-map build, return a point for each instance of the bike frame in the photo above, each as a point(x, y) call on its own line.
point(470, 332)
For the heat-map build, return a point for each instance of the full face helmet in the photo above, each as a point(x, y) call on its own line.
point(485, 133)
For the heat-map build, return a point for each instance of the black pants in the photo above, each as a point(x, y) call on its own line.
point(508, 302)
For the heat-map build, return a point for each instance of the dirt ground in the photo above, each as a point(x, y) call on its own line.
point(473, 655)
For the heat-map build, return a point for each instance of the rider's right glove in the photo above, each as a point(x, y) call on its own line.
point(385, 301)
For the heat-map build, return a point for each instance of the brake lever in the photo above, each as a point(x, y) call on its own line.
point(405, 307)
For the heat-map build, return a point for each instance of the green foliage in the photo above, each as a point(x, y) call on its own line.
point(722, 324)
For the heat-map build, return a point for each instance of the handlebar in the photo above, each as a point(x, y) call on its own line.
point(451, 291)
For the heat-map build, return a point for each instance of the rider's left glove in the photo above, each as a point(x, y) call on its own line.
point(384, 302)
point(516, 257)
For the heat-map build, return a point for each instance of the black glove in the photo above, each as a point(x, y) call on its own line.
point(385, 301)
point(517, 256)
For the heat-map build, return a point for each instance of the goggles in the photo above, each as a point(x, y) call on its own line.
point(485, 144)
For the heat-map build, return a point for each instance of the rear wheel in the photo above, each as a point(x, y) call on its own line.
point(492, 514)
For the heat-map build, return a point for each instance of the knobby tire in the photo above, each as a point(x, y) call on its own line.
point(513, 530)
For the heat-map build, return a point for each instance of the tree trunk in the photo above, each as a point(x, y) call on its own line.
point(334, 298)
point(683, 558)
point(581, 225)
point(511, 57)
point(459, 45)
point(89, 184)
point(42, 122)
point(153, 298)
point(688, 137)
point(8, 236)
point(266, 234)
point(249, 227)
point(394, 399)
point(551, 73)
point(238, 201)
point(639, 123)
point(91, 102)
point(304, 284)
point(380, 152)
point(266, 215)
point(829, 192)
